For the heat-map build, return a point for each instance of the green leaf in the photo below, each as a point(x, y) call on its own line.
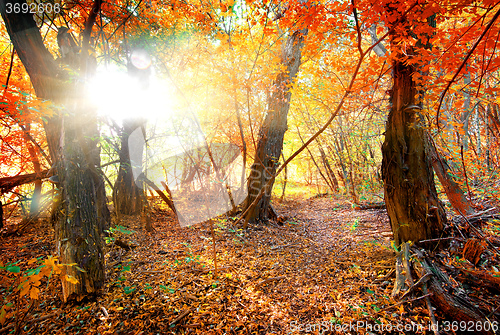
point(13, 269)
point(128, 289)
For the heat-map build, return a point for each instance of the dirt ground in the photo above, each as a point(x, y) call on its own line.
point(325, 270)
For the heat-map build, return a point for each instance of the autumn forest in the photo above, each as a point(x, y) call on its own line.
point(249, 167)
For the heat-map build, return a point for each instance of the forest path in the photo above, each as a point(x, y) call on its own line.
point(333, 224)
point(320, 265)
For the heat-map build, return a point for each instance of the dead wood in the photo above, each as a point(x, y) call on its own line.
point(399, 283)
point(181, 316)
point(362, 207)
point(453, 302)
point(168, 200)
point(481, 279)
point(8, 183)
point(473, 250)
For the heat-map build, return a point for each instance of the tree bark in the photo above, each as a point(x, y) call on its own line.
point(273, 129)
point(1, 215)
point(128, 196)
point(8, 183)
point(414, 209)
point(83, 210)
point(451, 188)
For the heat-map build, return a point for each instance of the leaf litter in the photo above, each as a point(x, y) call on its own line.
point(326, 267)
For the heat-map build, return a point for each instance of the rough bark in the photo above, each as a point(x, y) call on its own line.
point(414, 209)
point(413, 206)
point(78, 227)
point(75, 155)
point(452, 304)
point(273, 129)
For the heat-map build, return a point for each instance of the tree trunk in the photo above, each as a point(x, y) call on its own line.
point(329, 171)
point(273, 130)
point(78, 227)
point(83, 209)
point(128, 197)
point(451, 188)
point(414, 209)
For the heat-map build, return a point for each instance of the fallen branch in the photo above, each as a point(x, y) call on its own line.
point(455, 305)
point(8, 183)
point(162, 195)
point(360, 207)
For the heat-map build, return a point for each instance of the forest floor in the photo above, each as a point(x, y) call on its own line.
point(327, 269)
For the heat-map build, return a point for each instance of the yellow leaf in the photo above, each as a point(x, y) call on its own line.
point(34, 293)
point(25, 288)
point(35, 278)
point(31, 261)
point(71, 279)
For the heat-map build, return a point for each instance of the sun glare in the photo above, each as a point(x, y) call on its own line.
point(120, 96)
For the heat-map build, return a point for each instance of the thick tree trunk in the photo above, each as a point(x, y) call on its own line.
point(78, 227)
point(129, 198)
point(414, 209)
point(273, 130)
point(83, 209)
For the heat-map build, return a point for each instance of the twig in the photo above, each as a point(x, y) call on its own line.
point(480, 213)
point(442, 239)
point(435, 327)
point(387, 276)
point(181, 316)
point(151, 271)
point(420, 282)
point(105, 312)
